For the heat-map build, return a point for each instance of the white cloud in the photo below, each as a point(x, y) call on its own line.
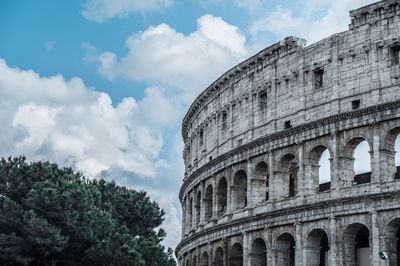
point(51, 118)
point(102, 10)
point(188, 62)
point(312, 19)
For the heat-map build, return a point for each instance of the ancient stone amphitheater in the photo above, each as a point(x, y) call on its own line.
point(255, 192)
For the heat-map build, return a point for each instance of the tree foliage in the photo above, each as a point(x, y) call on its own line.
point(55, 216)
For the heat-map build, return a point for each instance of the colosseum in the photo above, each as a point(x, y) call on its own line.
point(290, 156)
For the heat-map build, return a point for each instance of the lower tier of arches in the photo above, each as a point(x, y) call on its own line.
point(363, 233)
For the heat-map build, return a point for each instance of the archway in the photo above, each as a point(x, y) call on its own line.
point(198, 207)
point(356, 160)
point(208, 202)
point(194, 260)
point(219, 257)
point(320, 168)
point(239, 190)
point(288, 169)
point(222, 192)
point(356, 245)
point(236, 255)
point(190, 216)
point(258, 253)
point(393, 241)
point(391, 154)
point(317, 248)
point(204, 259)
point(285, 250)
point(260, 183)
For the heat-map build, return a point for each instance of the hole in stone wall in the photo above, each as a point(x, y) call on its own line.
point(319, 78)
point(355, 104)
point(395, 55)
point(287, 124)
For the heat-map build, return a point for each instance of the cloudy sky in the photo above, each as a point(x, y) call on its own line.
point(103, 85)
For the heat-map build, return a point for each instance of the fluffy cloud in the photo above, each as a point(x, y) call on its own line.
point(102, 10)
point(162, 55)
point(312, 20)
point(64, 121)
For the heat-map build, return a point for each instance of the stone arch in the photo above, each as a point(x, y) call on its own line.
point(392, 232)
point(391, 153)
point(204, 259)
point(208, 203)
point(260, 183)
point(239, 190)
point(198, 207)
point(258, 253)
point(222, 196)
point(288, 171)
point(320, 168)
point(219, 257)
point(285, 250)
point(356, 245)
point(317, 248)
point(236, 255)
point(356, 161)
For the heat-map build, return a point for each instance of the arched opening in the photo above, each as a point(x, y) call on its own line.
point(190, 216)
point(357, 249)
point(239, 190)
point(204, 259)
point(357, 161)
point(391, 154)
point(260, 183)
point(393, 241)
point(194, 260)
point(288, 169)
point(317, 248)
point(320, 168)
point(208, 202)
point(187, 262)
point(198, 207)
point(222, 192)
point(236, 256)
point(219, 257)
point(285, 250)
point(258, 253)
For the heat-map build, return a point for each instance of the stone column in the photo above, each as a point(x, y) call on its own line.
point(250, 177)
point(246, 249)
point(228, 178)
point(335, 184)
point(301, 182)
point(183, 217)
point(375, 259)
point(298, 248)
point(375, 156)
point(271, 188)
point(202, 208)
point(214, 197)
point(333, 256)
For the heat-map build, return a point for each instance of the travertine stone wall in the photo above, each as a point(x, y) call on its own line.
point(253, 139)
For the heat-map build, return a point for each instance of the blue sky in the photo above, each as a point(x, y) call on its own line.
point(103, 85)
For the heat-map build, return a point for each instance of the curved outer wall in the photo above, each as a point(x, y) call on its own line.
point(253, 140)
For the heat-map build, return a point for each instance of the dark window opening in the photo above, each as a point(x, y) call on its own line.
point(210, 158)
point(355, 104)
point(291, 186)
point(224, 120)
point(287, 124)
point(397, 174)
point(319, 78)
point(263, 100)
point(395, 55)
point(240, 142)
point(201, 137)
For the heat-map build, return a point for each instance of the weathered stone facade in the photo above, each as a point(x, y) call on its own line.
point(252, 194)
